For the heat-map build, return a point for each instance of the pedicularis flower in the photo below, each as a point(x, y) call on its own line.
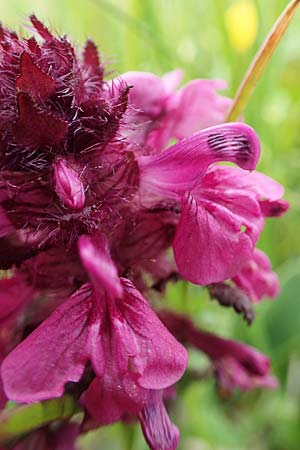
point(91, 200)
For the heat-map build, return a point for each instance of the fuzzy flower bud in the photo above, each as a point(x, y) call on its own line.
point(67, 185)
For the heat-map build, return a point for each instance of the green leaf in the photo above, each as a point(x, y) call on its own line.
point(16, 421)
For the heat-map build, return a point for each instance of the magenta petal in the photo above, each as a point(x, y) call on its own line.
point(108, 399)
point(216, 234)
point(232, 374)
point(147, 94)
point(180, 167)
point(260, 184)
point(95, 257)
point(56, 352)
point(172, 79)
point(159, 360)
point(143, 355)
point(256, 277)
point(159, 432)
point(266, 190)
point(197, 106)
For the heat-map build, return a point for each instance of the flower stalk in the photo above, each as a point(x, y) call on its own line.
point(260, 62)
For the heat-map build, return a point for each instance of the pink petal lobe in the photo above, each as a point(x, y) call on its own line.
point(56, 352)
point(266, 190)
point(181, 166)
point(260, 184)
point(256, 277)
point(148, 92)
point(33, 81)
point(157, 357)
point(172, 79)
point(108, 399)
point(159, 432)
point(197, 106)
point(215, 235)
point(141, 355)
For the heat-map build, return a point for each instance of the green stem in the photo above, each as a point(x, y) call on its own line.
point(20, 420)
point(260, 62)
point(129, 433)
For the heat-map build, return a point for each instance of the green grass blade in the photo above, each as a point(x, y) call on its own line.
point(260, 61)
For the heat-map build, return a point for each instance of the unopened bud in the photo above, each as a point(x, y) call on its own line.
point(68, 185)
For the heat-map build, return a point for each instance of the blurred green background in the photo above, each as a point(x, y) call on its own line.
point(214, 38)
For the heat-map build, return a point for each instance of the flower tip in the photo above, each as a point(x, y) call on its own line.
point(159, 432)
point(40, 28)
point(247, 143)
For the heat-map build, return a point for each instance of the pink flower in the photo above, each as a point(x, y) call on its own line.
point(222, 220)
point(221, 214)
point(101, 186)
point(256, 277)
point(105, 321)
point(68, 170)
point(157, 112)
point(236, 365)
point(111, 325)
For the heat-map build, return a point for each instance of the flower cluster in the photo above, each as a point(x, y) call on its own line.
point(92, 199)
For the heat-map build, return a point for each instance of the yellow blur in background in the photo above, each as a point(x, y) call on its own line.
point(241, 21)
